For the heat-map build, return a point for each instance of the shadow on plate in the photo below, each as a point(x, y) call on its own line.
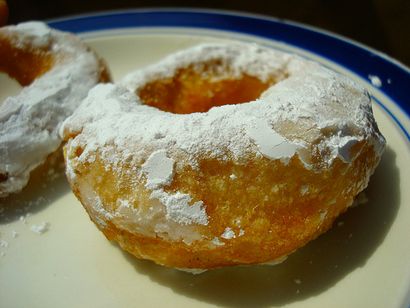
point(309, 271)
point(47, 183)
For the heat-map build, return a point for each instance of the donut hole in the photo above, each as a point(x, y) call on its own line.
point(200, 87)
point(24, 64)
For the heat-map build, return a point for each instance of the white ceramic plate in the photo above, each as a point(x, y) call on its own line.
point(363, 261)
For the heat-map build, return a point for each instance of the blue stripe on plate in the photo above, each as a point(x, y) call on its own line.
point(359, 59)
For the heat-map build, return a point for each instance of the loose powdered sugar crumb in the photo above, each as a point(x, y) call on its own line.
point(217, 242)
point(23, 219)
point(4, 244)
point(297, 281)
point(228, 234)
point(40, 228)
point(375, 80)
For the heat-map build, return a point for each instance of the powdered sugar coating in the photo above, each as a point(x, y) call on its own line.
point(310, 110)
point(181, 209)
point(29, 121)
point(228, 234)
point(32, 33)
point(158, 169)
point(270, 143)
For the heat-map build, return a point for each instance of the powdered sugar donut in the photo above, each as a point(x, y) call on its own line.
point(57, 70)
point(195, 187)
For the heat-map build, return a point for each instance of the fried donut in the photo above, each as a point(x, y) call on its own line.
point(57, 70)
point(171, 166)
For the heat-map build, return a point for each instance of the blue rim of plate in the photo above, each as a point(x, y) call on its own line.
point(361, 60)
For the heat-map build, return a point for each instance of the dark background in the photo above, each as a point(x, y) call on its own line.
point(381, 24)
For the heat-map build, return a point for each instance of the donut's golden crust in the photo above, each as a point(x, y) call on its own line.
point(269, 199)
